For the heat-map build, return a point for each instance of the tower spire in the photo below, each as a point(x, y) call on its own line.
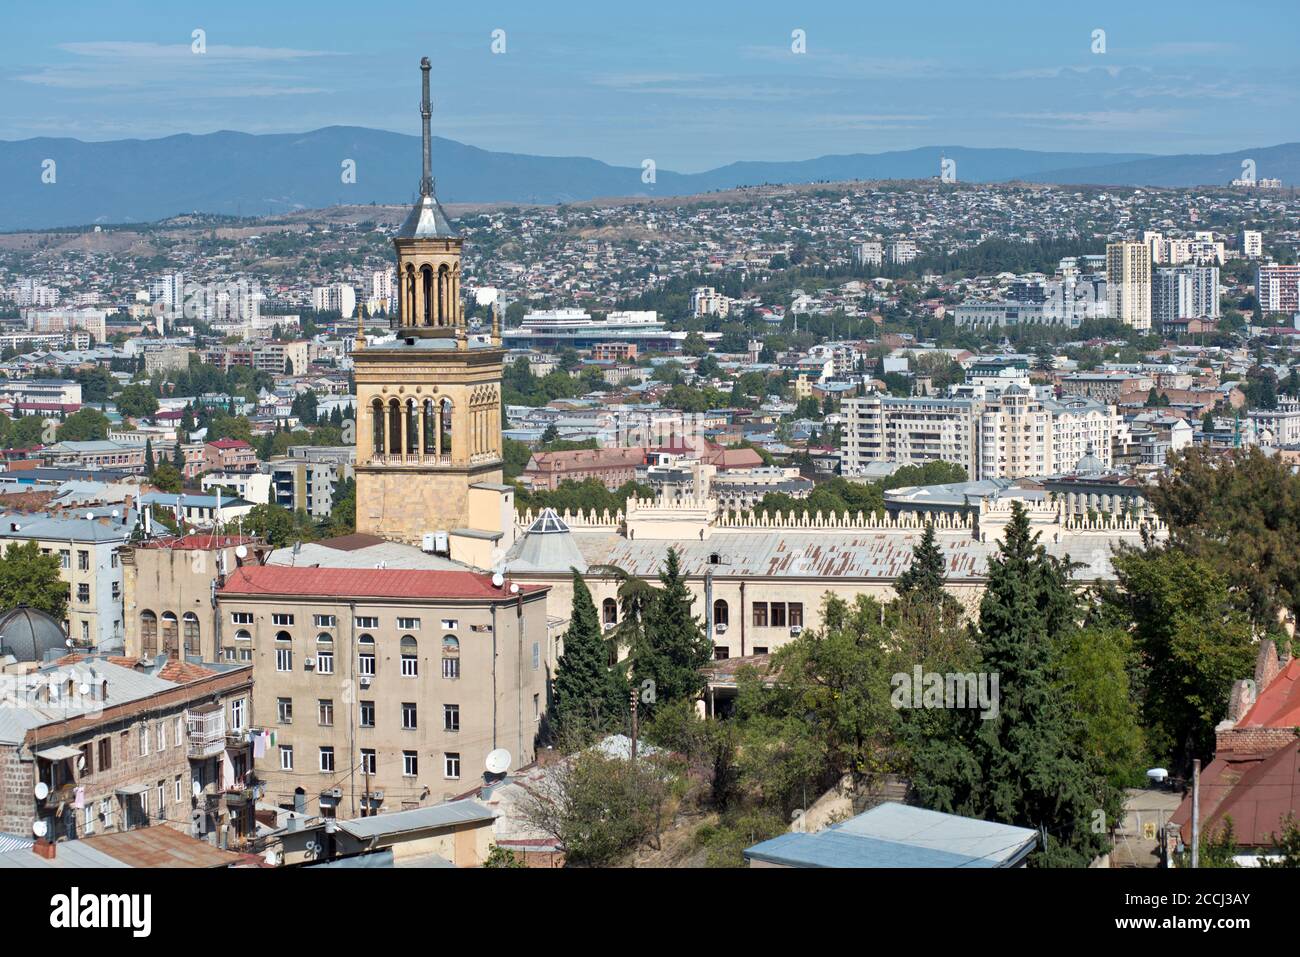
point(426, 111)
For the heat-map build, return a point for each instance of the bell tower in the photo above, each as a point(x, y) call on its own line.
point(429, 401)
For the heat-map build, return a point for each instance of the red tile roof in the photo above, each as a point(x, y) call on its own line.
point(367, 583)
point(1278, 705)
point(1257, 791)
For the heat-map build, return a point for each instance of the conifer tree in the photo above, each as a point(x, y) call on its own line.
point(923, 578)
point(588, 696)
point(673, 645)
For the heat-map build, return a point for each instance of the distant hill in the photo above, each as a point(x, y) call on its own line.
point(132, 181)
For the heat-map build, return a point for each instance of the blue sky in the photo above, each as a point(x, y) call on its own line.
point(693, 85)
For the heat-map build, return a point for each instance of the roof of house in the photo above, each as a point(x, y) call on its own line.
point(366, 583)
point(1256, 789)
point(898, 835)
point(1278, 705)
point(417, 819)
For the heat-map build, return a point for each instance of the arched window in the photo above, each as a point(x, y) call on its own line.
point(444, 294)
point(609, 611)
point(720, 612)
point(426, 279)
point(444, 413)
point(365, 655)
point(412, 427)
point(148, 634)
point(190, 632)
point(450, 656)
point(410, 661)
point(409, 317)
point(430, 428)
point(394, 427)
point(377, 435)
point(243, 635)
point(170, 634)
point(283, 636)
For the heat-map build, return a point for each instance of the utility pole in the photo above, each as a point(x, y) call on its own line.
point(634, 725)
point(1196, 813)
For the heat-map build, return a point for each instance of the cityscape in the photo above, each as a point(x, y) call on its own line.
point(915, 521)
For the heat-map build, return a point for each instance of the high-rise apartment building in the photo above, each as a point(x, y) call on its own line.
point(1185, 292)
point(1128, 283)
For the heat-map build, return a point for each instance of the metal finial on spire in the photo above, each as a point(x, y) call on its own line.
point(426, 111)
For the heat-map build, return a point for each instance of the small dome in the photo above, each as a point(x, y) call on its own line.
point(28, 633)
point(426, 220)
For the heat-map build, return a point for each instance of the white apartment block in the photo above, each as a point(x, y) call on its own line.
point(707, 301)
point(1277, 287)
point(1185, 292)
point(1280, 426)
point(1128, 283)
point(869, 253)
point(1250, 243)
point(337, 297)
point(910, 431)
point(383, 288)
point(902, 251)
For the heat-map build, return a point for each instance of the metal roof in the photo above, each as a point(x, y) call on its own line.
point(898, 835)
point(68, 854)
point(416, 819)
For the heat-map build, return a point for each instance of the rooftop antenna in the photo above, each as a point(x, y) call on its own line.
point(426, 111)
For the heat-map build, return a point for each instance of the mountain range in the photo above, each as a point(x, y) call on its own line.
point(136, 181)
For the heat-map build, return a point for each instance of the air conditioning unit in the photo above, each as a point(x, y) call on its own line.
point(720, 628)
point(309, 664)
point(335, 793)
point(365, 681)
point(610, 626)
point(376, 795)
point(796, 629)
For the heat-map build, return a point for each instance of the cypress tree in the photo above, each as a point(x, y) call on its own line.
point(923, 578)
point(673, 645)
point(587, 694)
point(148, 456)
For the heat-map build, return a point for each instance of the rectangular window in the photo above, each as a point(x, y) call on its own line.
point(367, 760)
point(280, 618)
point(366, 664)
point(327, 759)
point(162, 796)
point(450, 624)
point(537, 655)
point(144, 803)
point(325, 712)
point(410, 764)
point(410, 666)
point(83, 560)
point(144, 740)
point(409, 717)
point(83, 593)
point(325, 662)
point(162, 736)
point(65, 558)
point(324, 621)
point(283, 659)
point(760, 614)
point(284, 710)
point(180, 731)
point(367, 621)
point(177, 791)
point(536, 705)
point(451, 717)
point(87, 759)
point(796, 614)
point(237, 714)
point(408, 624)
point(367, 717)
point(451, 667)
point(286, 757)
point(105, 753)
point(778, 614)
point(451, 765)
point(241, 617)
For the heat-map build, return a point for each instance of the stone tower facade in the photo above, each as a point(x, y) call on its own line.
point(429, 401)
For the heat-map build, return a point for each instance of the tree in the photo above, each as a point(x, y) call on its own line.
point(137, 400)
point(30, 578)
point(167, 478)
point(588, 696)
point(1025, 764)
point(85, 425)
point(673, 647)
point(923, 577)
point(148, 457)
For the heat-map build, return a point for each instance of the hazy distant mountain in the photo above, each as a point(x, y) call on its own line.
point(124, 181)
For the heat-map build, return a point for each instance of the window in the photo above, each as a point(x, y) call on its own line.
point(410, 764)
point(83, 593)
point(241, 617)
point(721, 613)
point(238, 712)
point(324, 661)
point(367, 760)
point(760, 614)
point(327, 759)
point(450, 656)
point(721, 653)
point(162, 796)
point(286, 757)
point(190, 632)
point(451, 765)
point(280, 618)
point(367, 621)
point(451, 667)
point(325, 712)
point(105, 753)
point(283, 659)
point(245, 654)
point(65, 558)
point(409, 722)
point(450, 624)
point(83, 560)
point(760, 649)
point(284, 710)
point(148, 634)
point(536, 705)
point(243, 635)
point(324, 621)
point(408, 624)
point(366, 655)
point(778, 614)
point(367, 714)
point(144, 740)
point(796, 613)
point(162, 736)
point(178, 793)
point(451, 717)
point(537, 655)
point(87, 761)
point(410, 663)
point(609, 611)
point(144, 803)
point(180, 730)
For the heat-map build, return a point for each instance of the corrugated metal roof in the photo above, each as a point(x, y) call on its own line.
point(68, 855)
point(417, 819)
point(363, 583)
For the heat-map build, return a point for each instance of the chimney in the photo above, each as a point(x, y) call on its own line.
point(44, 848)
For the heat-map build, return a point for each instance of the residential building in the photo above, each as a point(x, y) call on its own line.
point(1128, 283)
point(1185, 292)
point(1277, 287)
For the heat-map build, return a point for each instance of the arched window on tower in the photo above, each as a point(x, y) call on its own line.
point(412, 427)
point(148, 634)
point(409, 316)
point(444, 294)
point(426, 279)
point(377, 427)
point(445, 414)
point(394, 428)
point(430, 428)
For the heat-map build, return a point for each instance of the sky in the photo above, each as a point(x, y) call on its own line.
point(693, 85)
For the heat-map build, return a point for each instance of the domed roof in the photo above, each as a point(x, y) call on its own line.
point(426, 220)
point(28, 633)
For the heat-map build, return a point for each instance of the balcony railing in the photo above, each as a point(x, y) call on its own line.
point(207, 732)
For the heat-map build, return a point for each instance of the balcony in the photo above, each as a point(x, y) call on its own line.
point(207, 733)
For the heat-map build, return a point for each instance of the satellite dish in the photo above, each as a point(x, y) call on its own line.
point(498, 579)
point(195, 788)
point(42, 790)
point(514, 588)
point(1158, 775)
point(241, 551)
point(85, 688)
point(115, 513)
point(498, 761)
point(38, 828)
point(81, 763)
point(90, 515)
